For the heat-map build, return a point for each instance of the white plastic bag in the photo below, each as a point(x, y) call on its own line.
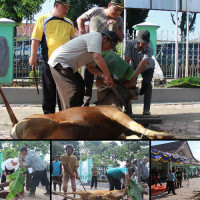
point(158, 74)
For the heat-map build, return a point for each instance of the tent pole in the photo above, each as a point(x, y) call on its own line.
point(176, 46)
point(124, 42)
point(187, 40)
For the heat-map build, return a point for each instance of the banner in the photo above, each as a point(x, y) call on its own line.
point(157, 155)
point(170, 5)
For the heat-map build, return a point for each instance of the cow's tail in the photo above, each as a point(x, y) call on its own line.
point(9, 109)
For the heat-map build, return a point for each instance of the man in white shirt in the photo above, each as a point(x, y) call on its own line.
point(67, 59)
point(8, 167)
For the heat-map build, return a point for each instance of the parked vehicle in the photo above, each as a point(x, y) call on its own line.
point(22, 52)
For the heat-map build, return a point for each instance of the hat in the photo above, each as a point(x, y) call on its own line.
point(113, 38)
point(63, 2)
point(118, 3)
point(57, 156)
point(69, 146)
point(143, 36)
point(16, 160)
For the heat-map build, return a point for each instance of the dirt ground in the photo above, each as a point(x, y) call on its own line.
point(184, 193)
point(80, 188)
point(39, 194)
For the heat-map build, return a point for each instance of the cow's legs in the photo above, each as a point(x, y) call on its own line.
point(126, 121)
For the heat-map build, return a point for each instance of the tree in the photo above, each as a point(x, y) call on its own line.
point(81, 6)
point(57, 149)
point(76, 147)
point(42, 147)
point(134, 16)
point(20, 9)
point(10, 153)
point(183, 23)
point(111, 153)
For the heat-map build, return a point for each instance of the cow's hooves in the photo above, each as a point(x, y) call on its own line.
point(131, 137)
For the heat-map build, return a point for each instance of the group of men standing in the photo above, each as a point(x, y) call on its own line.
point(69, 163)
point(63, 56)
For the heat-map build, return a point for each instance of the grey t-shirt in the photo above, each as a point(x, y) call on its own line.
point(98, 20)
point(78, 51)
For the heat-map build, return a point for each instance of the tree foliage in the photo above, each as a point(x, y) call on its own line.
point(104, 153)
point(10, 153)
point(183, 23)
point(81, 6)
point(11, 148)
point(135, 16)
point(58, 148)
point(20, 9)
point(17, 180)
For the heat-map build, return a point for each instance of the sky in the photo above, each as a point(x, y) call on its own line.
point(194, 146)
point(161, 18)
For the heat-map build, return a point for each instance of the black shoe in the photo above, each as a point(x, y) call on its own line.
point(31, 195)
point(174, 194)
point(47, 193)
point(146, 113)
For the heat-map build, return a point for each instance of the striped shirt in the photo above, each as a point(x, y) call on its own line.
point(136, 56)
point(33, 160)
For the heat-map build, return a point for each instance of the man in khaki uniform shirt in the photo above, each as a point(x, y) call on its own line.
point(70, 165)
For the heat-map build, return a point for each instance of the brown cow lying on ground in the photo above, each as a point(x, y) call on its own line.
point(96, 122)
point(98, 194)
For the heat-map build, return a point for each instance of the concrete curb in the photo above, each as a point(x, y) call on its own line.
point(28, 95)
